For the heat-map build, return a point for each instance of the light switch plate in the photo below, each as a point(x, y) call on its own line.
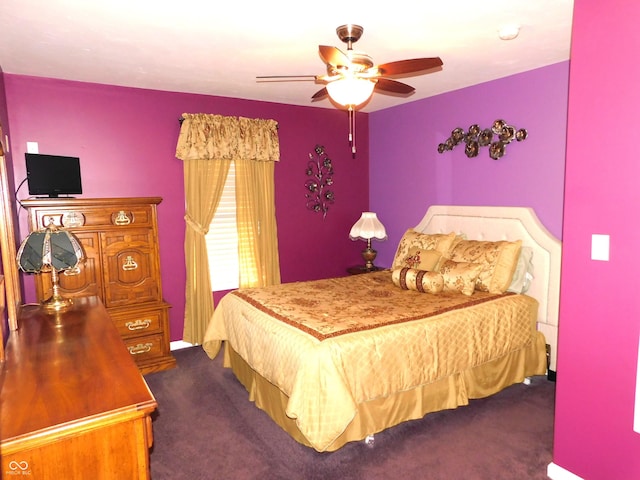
point(32, 147)
point(600, 247)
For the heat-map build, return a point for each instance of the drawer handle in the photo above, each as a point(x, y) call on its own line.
point(72, 272)
point(55, 219)
point(138, 324)
point(73, 219)
point(122, 218)
point(140, 348)
point(129, 264)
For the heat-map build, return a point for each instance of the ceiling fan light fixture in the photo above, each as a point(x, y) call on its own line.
point(509, 32)
point(350, 91)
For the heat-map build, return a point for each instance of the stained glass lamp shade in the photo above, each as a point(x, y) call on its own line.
point(50, 250)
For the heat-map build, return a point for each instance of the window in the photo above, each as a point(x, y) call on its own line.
point(222, 239)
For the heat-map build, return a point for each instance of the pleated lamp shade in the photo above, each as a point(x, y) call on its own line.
point(367, 227)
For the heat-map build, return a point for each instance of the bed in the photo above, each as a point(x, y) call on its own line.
point(338, 360)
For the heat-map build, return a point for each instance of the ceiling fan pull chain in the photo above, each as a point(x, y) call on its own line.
point(352, 130)
point(353, 136)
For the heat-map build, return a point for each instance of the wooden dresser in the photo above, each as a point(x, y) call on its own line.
point(122, 267)
point(74, 403)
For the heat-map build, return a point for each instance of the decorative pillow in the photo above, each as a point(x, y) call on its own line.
point(422, 259)
point(498, 259)
point(457, 239)
point(418, 280)
point(425, 241)
point(523, 273)
point(460, 276)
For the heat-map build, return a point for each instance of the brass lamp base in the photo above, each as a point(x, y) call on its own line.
point(369, 255)
point(56, 303)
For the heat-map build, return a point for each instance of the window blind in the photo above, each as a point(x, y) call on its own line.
point(222, 239)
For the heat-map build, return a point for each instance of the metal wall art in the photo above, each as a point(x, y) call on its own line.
point(320, 173)
point(496, 138)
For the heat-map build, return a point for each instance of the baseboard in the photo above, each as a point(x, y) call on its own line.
point(555, 472)
point(179, 344)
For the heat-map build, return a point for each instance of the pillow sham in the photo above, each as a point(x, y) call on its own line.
point(457, 239)
point(498, 260)
point(422, 259)
point(523, 273)
point(418, 280)
point(460, 276)
point(440, 242)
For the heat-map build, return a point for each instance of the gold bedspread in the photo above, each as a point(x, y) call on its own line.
point(339, 342)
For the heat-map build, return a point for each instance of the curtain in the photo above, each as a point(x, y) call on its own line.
point(257, 232)
point(208, 144)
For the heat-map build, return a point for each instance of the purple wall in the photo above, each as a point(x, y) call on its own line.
point(6, 132)
point(407, 174)
point(600, 306)
point(126, 139)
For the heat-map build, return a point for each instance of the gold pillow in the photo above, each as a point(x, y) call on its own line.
point(418, 280)
point(498, 259)
point(422, 259)
point(460, 276)
point(440, 242)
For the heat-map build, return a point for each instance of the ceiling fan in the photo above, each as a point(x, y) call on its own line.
point(352, 76)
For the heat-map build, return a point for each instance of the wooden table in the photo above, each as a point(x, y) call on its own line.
point(358, 269)
point(73, 402)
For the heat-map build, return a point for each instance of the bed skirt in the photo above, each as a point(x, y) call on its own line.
point(379, 414)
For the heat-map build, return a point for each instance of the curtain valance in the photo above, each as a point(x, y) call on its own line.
point(216, 137)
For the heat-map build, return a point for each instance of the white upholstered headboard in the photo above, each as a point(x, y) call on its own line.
point(511, 223)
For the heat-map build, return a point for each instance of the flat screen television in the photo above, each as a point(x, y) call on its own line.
point(53, 175)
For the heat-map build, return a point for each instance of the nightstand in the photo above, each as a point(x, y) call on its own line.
point(358, 269)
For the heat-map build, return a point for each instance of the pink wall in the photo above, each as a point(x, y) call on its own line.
point(408, 174)
point(600, 306)
point(126, 139)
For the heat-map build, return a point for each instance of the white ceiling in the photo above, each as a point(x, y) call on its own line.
point(218, 48)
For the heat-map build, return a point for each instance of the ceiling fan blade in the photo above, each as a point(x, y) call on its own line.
point(320, 94)
point(333, 56)
point(392, 86)
point(403, 67)
point(276, 77)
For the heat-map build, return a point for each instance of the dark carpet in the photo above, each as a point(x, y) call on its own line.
point(206, 428)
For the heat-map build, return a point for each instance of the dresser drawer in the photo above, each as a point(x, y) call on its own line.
point(148, 346)
point(91, 218)
point(130, 324)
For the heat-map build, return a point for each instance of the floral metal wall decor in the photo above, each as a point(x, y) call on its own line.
point(496, 138)
point(320, 173)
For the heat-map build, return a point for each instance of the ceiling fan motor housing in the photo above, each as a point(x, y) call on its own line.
point(349, 33)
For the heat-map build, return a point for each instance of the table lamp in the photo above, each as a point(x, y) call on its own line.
point(367, 227)
point(51, 250)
